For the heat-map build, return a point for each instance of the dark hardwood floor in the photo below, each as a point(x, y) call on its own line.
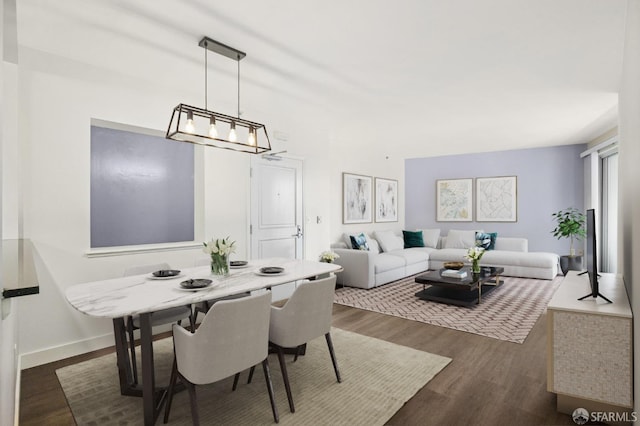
point(489, 382)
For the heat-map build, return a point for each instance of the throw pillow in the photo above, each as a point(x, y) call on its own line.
point(460, 239)
point(486, 240)
point(413, 239)
point(430, 237)
point(389, 241)
point(359, 242)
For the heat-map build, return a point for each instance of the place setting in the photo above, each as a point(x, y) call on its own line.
point(165, 274)
point(196, 284)
point(267, 271)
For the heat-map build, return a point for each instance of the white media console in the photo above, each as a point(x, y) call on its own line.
point(590, 346)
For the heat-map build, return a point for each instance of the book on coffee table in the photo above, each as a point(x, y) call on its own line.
point(453, 273)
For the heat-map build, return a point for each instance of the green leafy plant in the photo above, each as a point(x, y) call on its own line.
point(570, 225)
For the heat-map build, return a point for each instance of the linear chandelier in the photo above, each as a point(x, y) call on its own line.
point(203, 127)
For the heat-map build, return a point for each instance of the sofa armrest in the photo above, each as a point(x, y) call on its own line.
point(512, 244)
point(358, 267)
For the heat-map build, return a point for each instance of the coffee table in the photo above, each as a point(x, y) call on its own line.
point(466, 291)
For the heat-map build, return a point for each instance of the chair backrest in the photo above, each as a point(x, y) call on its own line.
point(305, 316)
point(233, 336)
point(145, 269)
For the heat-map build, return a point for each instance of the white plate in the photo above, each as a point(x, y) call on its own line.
point(153, 277)
point(262, 274)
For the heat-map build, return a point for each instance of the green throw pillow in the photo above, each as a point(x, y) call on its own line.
point(413, 239)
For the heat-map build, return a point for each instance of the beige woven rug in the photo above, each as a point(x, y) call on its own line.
point(508, 313)
point(378, 377)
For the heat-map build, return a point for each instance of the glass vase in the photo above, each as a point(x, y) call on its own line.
point(220, 265)
point(475, 266)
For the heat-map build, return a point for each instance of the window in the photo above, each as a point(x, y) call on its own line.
point(142, 187)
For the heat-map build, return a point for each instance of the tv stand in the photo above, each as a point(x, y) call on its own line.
point(590, 347)
point(598, 295)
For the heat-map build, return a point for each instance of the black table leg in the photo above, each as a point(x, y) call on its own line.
point(151, 409)
point(125, 374)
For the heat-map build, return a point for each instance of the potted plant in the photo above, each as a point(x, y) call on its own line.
point(570, 224)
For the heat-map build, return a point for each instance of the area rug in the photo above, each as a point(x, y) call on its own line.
point(508, 313)
point(378, 377)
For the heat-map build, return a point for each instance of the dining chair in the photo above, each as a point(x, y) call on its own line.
point(304, 317)
point(204, 306)
point(166, 316)
point(232, 337)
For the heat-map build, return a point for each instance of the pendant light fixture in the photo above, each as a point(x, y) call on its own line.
point(203, 127)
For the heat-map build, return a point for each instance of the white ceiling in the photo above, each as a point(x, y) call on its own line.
point(415, 77)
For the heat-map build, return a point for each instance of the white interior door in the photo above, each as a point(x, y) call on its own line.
point(276, 208)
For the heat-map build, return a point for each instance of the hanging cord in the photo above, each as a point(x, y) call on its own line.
point(205, 75)
point(239, 85)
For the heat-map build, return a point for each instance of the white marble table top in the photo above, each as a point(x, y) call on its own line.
point(136, 294)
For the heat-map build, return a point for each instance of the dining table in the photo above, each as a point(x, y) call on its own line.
point(142, 295)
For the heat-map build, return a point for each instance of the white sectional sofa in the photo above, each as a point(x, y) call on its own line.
point(387, 260)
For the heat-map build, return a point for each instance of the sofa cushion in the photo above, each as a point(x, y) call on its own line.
point(518, 258)
point(386, 262)
point(389, 241)
point(486, 240)
point(411, 256)
point(412, 239)
point(359, 242)
point(457, 239)
point(446, 255)
point(430, 237)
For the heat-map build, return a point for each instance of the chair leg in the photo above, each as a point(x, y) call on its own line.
point(191, 388)
point(235, 381)
point(298, 350)
point(170, 391)
point(267, 378)
point(333, 356)
point(132, 349)
point(251, 374)
point(285, 377)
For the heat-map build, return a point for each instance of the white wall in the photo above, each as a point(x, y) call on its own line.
point(629, 159)
point(8, 316)
point(355, 157)
point(58, 98)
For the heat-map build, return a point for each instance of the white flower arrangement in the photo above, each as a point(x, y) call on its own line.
point(328, 256)
point(221, 247)
point(474, 253)
point(219, 250)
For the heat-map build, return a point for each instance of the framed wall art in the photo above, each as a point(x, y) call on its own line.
point(357, 199)
point(497, 199)
point(386, 200)
point(454, 200)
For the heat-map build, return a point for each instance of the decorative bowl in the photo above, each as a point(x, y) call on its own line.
point(453, 265)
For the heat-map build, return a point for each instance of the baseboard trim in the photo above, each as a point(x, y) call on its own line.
point(16, 397)
point(67, 350)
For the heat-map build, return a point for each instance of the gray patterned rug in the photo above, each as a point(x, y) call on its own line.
point(378, 377)
point(508, 313)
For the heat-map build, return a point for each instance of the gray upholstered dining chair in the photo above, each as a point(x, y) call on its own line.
point(304, 317)
point(233, 336)
point(166, 316)
point(203, 307)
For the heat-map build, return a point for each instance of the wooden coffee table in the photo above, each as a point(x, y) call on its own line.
point(466, 291)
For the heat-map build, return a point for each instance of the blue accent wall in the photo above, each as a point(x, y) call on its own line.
point(549, 179)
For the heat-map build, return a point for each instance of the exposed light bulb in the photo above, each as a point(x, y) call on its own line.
point(189, 127)
point(213, 131)
point(252, 136)
point(233, 136)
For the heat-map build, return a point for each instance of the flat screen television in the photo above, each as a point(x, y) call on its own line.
point(592, 257)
